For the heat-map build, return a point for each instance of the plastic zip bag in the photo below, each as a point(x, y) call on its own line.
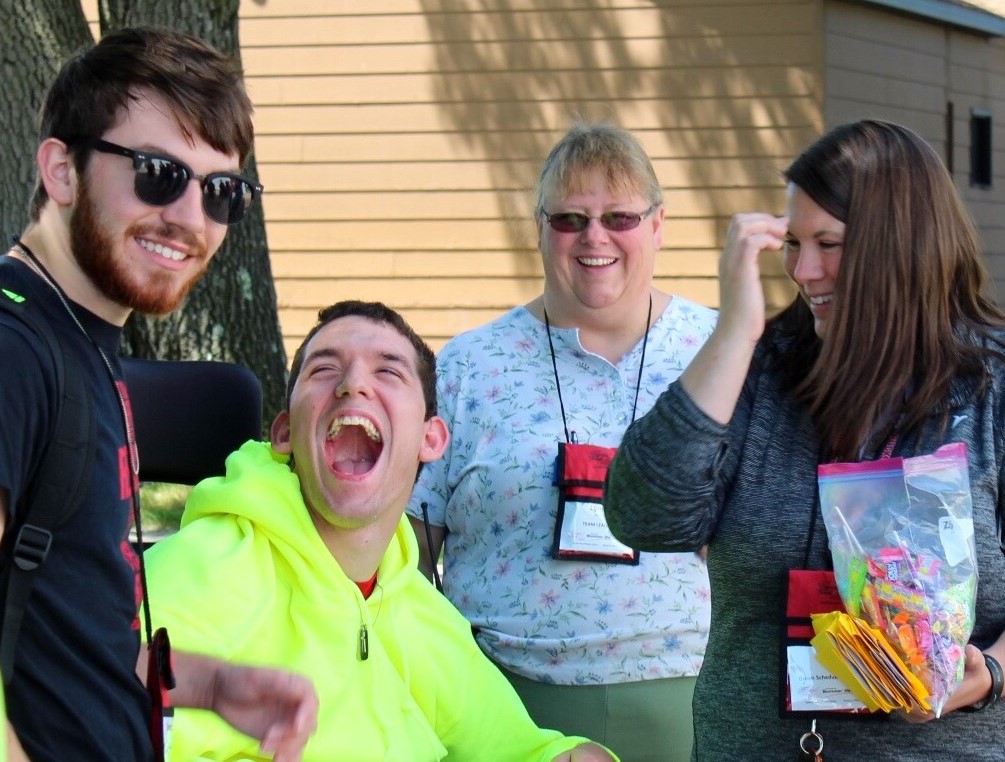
point(902, 541)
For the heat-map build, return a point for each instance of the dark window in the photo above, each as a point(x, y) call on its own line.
point(950, 136)
point(980, 148)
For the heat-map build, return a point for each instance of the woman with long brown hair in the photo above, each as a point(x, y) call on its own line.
point(890, 347)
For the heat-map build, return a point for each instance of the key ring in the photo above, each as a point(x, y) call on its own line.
point(813, 734)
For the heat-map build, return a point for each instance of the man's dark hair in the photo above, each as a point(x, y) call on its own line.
point(378, 313)
point(204, 89)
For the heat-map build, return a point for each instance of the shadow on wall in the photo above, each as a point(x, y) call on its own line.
point(720, 107)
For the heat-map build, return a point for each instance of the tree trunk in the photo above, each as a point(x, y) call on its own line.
point(231, 314)
point(40, 34)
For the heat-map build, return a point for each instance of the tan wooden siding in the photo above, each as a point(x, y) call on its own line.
point(976, 80)
point(885, 65)
point(399, 140)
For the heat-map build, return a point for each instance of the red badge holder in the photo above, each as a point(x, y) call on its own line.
point(581, 531)
point(809, 591)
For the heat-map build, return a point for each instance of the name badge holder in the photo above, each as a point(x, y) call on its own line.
point(807, 687)
point(581, 531)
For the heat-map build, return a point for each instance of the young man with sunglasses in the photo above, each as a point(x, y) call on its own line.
point(142, 137)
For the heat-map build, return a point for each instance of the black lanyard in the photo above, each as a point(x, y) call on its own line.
point(554, 366)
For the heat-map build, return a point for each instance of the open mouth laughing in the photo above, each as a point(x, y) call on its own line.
point(353, 445)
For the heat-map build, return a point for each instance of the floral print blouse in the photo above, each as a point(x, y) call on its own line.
point(556, 621)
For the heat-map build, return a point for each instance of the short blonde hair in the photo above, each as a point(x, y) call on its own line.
point(590, 146)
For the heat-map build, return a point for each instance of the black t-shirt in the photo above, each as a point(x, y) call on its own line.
point(75, 695)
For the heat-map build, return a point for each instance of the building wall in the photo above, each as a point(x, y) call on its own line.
point(399, 140)
point(887, 65)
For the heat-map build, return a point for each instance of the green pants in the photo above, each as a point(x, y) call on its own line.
point(648, 721)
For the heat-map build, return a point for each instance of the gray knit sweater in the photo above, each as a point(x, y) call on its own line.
point(681, 480)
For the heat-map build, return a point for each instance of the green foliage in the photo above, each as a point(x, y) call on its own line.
point(161, 507)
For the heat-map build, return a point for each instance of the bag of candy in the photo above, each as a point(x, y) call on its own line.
point(902, 541)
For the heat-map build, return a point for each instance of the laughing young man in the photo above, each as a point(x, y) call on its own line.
point(141, 140)
point(300, 558)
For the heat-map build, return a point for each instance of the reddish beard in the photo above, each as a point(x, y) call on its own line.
point(96, 254)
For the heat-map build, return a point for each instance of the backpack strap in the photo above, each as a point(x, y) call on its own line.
point(57, 486)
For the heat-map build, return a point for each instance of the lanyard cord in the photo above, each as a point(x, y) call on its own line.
point(131, 445)
point(554, 366)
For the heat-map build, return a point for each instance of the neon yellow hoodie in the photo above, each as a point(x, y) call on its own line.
point(248, 579)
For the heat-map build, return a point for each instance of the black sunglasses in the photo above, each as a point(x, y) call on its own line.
point(617, 222)
point(161, 180)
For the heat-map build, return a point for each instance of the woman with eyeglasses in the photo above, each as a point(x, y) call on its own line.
point(594, 635)
point(890, 348)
